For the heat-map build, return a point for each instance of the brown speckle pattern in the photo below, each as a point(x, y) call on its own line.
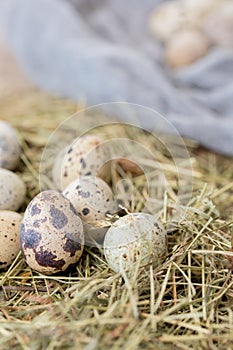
point(86, 156)
point(9, 147)
point(91, 197)
point(12, 190)
point(52, 239)
point(9, 236)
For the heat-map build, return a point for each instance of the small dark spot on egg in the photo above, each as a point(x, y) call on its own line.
point(36, 223)
point(35, 210)
point(85, 211)
point(82, 161)
point(84, 194)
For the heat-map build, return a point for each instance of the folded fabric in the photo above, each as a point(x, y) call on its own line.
point(102, 51)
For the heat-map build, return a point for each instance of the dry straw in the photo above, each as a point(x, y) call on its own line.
point(186, 303)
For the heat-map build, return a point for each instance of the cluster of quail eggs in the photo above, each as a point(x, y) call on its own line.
point(189, 28)
point(58, 222)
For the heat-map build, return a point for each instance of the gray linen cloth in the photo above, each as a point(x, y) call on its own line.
point(101, 51)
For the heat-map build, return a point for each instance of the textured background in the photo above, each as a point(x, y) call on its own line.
point(12, 79)
point(101, 51)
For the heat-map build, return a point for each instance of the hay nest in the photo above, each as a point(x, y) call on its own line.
point(184, 304)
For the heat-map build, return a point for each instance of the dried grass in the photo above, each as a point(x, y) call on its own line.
point(187, 303)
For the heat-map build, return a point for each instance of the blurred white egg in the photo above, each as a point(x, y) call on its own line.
point(136, 236)
point(9, 147)
point(12, 190)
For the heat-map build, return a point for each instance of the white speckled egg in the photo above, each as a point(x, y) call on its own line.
point(12, 190)
point(51, 234)
point(132, 237)
point(9, 235)
point(91, 197)
point(93, 200)
point(166, 19)
point(87, 155)
point(186, 47)
point(9, 147)
point(200, 9)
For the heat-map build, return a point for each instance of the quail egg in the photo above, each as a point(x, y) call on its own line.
point(219, 25)
point(9, 147)
point(133, 237)
point(199, 8)
point(87, 155)
point(51, 235)
point(12, 190)
point(186, 47)
point(9, 234)
point(91, 197)
point(93, 200)
point(166, 19)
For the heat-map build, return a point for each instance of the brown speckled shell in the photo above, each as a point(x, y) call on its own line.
point(91, 197)
point(88, 155)
point(51, 234)
point(9, 236)
point(9, 147)
point(12, 190)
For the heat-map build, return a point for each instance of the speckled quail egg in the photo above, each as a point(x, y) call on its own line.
point(12, 190)
point(91, 197)
point(219, 25)
point(133, 237)
point(9, 234)
point(185, 47)
point(9, 147)
point(93, 200)
point(199, 8)
point(87, 155)
point(166, 19)
point(51, 235)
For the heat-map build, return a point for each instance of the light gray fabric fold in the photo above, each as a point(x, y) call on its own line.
point(102, 51)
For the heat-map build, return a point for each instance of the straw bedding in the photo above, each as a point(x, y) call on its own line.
point(186, 303)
